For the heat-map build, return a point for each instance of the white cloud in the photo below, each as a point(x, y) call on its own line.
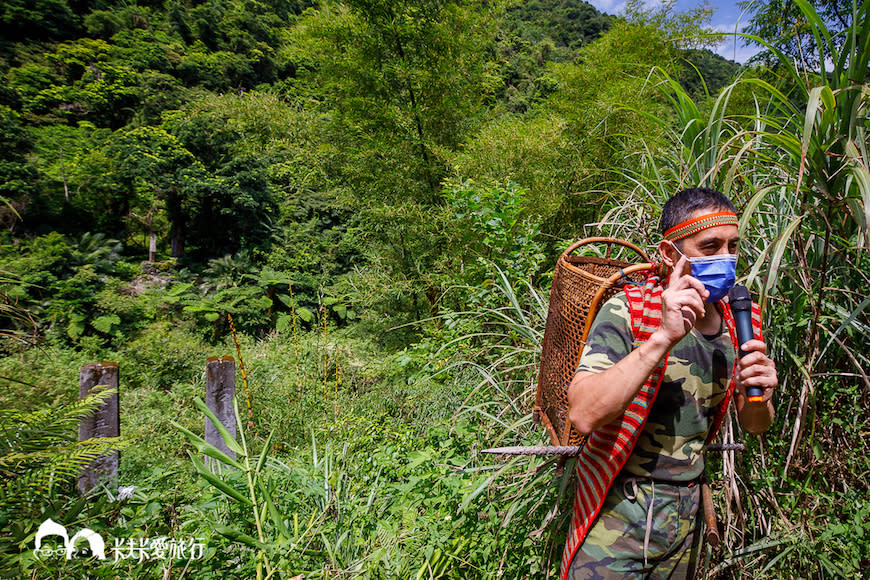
point(734, 47)
point(618, 6)
point(730, 48)
point(740, 53)
point(609, 6)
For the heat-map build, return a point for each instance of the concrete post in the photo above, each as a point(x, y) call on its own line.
point(220, 387)
point(105, 422)
point(152, 247)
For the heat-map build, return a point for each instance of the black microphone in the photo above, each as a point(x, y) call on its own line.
point(741, 308)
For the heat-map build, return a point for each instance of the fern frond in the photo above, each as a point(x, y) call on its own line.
point(39, 451)
point(26, 475)
point(31, 431)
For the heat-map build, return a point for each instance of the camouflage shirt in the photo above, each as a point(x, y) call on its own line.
point(696, 378)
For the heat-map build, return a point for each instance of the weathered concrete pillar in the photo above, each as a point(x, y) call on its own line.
point(105, 422)
point(152, 247)
point(220, 388)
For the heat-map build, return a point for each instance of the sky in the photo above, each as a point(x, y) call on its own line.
point(726, 16)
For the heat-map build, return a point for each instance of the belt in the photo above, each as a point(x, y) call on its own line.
point(651, 480)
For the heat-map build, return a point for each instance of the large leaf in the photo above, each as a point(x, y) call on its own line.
point(106, 322)
point(217, 482)
point(241, 537)
point(207, 448)
point(305, 314)
point(229, 440)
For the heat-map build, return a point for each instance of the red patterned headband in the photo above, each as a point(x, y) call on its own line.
point(695, 225)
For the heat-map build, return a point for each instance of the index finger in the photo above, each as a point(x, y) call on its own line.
point(682, 277)
point(681, 268)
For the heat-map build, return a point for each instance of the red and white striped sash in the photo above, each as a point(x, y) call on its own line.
point(608, 448)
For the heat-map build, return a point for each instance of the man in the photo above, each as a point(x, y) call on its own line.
point(655, 378)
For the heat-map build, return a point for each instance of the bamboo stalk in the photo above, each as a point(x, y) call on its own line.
point(244, 373)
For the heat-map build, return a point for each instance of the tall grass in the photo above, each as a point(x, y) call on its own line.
point(797, 167)
point(505, 363)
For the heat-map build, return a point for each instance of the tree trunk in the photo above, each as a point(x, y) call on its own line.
point(176, 240)
point(176, 219)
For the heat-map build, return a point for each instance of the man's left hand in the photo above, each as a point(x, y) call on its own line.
point(756, 370)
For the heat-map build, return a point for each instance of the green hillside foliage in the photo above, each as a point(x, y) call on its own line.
point(363, 201)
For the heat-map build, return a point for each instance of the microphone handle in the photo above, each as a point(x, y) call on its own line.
point(743, 322)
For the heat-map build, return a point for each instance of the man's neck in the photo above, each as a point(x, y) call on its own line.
point(711, 322)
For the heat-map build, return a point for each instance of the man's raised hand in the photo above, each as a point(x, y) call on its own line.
point(682, 303)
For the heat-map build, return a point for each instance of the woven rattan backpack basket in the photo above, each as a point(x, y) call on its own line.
point(587, 274)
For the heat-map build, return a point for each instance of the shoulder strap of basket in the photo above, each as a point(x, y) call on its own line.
point(607, 449)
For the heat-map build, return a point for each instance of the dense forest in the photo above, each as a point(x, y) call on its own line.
point(362, 202)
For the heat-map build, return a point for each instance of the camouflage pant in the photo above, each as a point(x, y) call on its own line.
point(615, 545)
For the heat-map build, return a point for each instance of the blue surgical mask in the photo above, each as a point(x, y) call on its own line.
point(718, 273)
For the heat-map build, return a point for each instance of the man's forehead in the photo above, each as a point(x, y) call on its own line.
point(702, 220)
point(716, 234)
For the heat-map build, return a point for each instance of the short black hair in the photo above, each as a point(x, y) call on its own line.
point(682, 205)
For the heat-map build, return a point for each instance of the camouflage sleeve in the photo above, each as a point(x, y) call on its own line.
point(610, 338)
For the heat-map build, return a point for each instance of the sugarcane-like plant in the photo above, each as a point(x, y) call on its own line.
point(797, 167)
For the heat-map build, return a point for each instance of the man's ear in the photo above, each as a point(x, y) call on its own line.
point(669, 255)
